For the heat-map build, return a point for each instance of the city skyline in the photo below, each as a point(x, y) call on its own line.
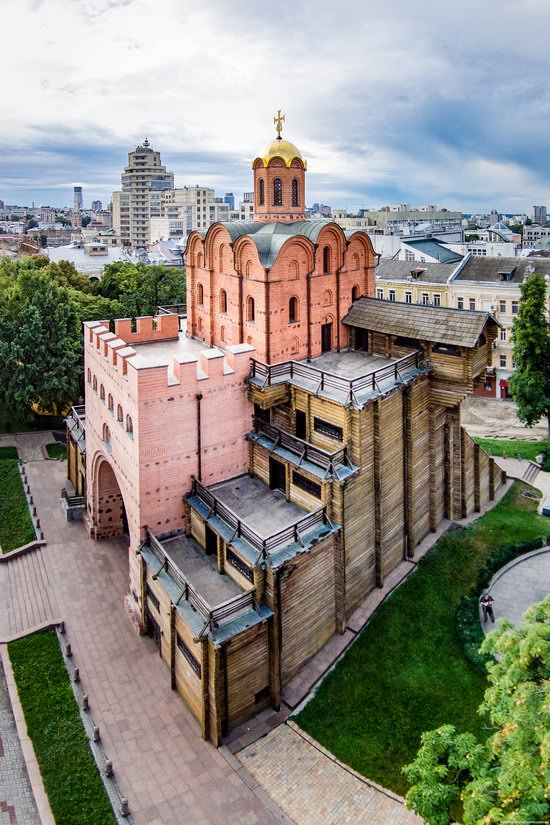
point(373, 97)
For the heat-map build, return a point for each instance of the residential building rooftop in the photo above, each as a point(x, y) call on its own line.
point(425, 272)
point(513, 270)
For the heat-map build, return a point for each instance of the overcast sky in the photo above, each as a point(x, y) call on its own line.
point(422, 101)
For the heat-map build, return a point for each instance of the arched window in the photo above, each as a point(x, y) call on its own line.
point(222, 334)
point(102, 392)
point(94, 384)
point(249, 340)
point(223, 300)
point(295, 192)
point(277, 192)
point(221, 254)
point(250, 309)
point(129, 425)
point(326, 259)
point(295, 346)
point(293, 310)
point(199, 325)
point(355, 261)
point(293, 269)
point(110, 403)
point(355, 293)
point(119, 414)
point(261, 192)
point(89, 375)
point(200, 260)
point(327, 298)
point(200, 294)
point(106, 434)
point(248, 269)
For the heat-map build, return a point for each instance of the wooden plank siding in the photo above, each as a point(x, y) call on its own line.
point(437, 421)
point(389, 480)
point(247, 663)
point(188, 684)
point(307, 614)
point(418, 463)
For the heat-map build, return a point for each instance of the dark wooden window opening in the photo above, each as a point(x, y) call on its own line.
point(446, 349)
point(182, 647)
point(277, 192)
point(326, 428)
point(306, 484)
point(236, 562)
point(152, 598)
point(295, 192)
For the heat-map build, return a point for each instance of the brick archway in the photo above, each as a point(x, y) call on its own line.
point(107, 517)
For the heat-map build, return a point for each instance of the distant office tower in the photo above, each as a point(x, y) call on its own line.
point(494, 217)
point(229, 198)
point(248, 197)
point(143, 182)
point(539, 214)
point(1, 205)
point(97, 206)
point(77, 198)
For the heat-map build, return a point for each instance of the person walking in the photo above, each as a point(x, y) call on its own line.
point(487, 602)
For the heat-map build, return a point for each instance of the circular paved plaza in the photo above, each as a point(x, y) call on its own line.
point(523, 582)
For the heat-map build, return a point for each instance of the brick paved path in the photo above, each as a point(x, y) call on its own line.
point(523, 583)
point(305, 781)
point(29, 446)
point(17, 806)
point(169, 774)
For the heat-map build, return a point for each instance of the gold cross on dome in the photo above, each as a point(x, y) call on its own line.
point(279, 123)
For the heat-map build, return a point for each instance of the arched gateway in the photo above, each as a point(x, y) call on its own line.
point(108, 512)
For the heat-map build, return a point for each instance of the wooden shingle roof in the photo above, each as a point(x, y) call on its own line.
point(425, 323)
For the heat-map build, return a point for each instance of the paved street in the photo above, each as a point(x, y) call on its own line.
point(305, 781)
point(17, 806)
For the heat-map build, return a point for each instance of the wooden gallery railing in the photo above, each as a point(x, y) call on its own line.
point(212, 616)
point(264, 546)
point(76, 418)
point(305, 451)
point(288, 371)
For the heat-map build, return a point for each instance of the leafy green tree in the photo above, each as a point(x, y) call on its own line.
point(96, 308)
point(517, 228)
point(139, 288)
point(505, 779)
point(40, 344)
point(530, 382)
point(31, 223)
point(86, 220)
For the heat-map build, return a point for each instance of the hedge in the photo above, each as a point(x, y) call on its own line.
point(467, 615)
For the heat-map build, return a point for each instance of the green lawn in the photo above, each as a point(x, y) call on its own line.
point(407, 672)
point(58, 451)
point(71, 778)
point(16, 527)
point(528, 450)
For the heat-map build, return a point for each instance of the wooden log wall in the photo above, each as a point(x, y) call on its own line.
point(468, 474)
point(437, 422)
point(247, 663)
point(417, 412)
point(281, 416)
point(161, 615)
point(307, 614)
point(355, 511)
point(188, 684)
point(389, 482)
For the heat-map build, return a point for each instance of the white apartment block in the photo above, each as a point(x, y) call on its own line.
point(143, 181)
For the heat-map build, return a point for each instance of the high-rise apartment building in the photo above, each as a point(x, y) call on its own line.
point(540, 215)
point(143, 182)
point(97, 206)
point(229, 199)
point(77, 198)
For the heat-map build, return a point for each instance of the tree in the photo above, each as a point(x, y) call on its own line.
point(140, 288)
point(530, 382)
point(31, 223)
point(86, 220)
point(506, 778)
point(40, 344)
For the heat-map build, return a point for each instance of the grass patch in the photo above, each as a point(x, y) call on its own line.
point(407, 672)
point(16, 527)
point(527, 450)
point(58, 451)
point(8, 452)
point(71, 778)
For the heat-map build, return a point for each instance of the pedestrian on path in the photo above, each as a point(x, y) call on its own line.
point(487, 602)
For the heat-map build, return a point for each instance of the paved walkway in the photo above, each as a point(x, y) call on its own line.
point(169, 774)
point(29, 445)
point(306, 781)
point(519, 585)
point(17, 805)
point(517, 467)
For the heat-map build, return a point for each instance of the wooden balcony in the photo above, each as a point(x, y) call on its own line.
point(329, 462)
point(76, 426)
point(367, 376)
point(240, 528)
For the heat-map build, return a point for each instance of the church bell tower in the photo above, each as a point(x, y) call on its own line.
point(279, 181)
